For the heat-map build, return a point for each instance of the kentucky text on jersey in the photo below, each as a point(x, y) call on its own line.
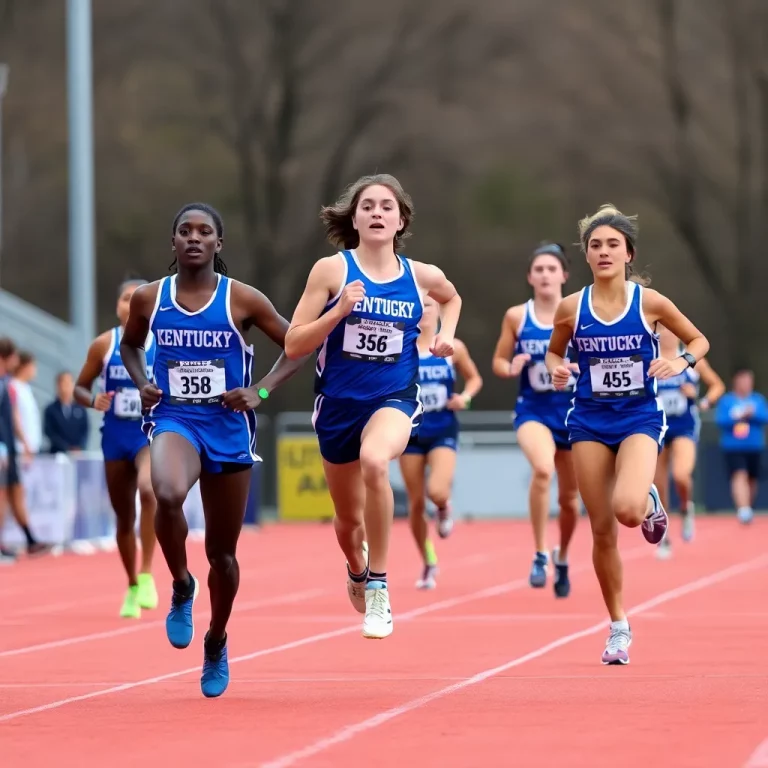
point(374, 305)
point(533, 347)
point(629, 343)
point(180, 337)
point(434, 373)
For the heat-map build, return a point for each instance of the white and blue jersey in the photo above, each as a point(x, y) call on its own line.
point(537, 399)
point(615, 397)
point(121, 434)
point(198, 357)
point(439, 425)
point(369, 360)
point(681, 411)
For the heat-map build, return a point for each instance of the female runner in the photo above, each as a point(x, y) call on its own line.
point(361, 308)
point(540, 410)
point(126, 451)
point(678, 396)
point(435, 445)
point(616, 423)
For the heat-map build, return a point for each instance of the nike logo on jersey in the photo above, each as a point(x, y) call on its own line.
point(584, 327)
point(164, 309)
point(627, 343)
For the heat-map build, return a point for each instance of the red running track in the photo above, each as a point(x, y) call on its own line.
point(484, 671)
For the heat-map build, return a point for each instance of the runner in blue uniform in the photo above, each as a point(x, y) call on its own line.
point(616, 423)
point(540, 411)
point(434, 447)
point(361, 310)
point(126, 452)
point(679, 395)
point(199, 416)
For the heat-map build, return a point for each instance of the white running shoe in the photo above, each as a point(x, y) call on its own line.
point(427, 580)
point(378, 614)
point(689, 522)
point(356, 589)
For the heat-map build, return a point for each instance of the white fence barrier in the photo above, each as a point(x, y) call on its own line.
point(69, 505)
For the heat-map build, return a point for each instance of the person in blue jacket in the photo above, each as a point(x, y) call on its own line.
point(742, 415)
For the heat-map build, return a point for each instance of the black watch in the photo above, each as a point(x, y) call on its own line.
point(690, 359)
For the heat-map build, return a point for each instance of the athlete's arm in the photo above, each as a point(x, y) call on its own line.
point(432, 279)
point(659, 309)
point(715, 385)
point(134, 337)
point(465, 365)
point(562, 332)
point(258, 311)
point(90, 371)
point(505, 363)
point(308, 330)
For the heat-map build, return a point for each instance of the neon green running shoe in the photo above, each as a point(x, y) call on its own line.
point(147, 592)
point(131, 608)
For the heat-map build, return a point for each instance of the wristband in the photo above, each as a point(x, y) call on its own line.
point(263, 393)
point(467, 401)
point(93, 400)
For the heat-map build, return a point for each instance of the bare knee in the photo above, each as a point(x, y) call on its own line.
point(220, 562)
point(569, 503)
point(604, 536)
point(542, 474)
point(438, 494)
point(126, 522)
point(146, 495)
point(681, 479)
point(170, 495)
point(416, 508)
point(630, 510)
point(374, 467)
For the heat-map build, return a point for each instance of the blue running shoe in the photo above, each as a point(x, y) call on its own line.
point(538, 575)
point(179, 625)
point(215, 677)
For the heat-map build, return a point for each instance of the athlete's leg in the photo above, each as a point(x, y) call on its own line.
point(442, 467)
point(345, 485)
point(148, 506)
point(384, 438)
point(568, 500)
point(538, 445)
point(147, 590)
point(595, 465)
point(661, 476)
point(224, 495)
point(413, 468)
point(633, 500)
point(683, 461)
point(121, 487)
point(174, 468)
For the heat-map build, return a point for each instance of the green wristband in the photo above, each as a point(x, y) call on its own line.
point(263, 393)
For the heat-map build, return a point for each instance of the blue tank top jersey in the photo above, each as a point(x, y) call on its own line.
point(613, 357)
point(125, 411)
point(678, 407)
point(372, 354)
point(535, 382)
point(198, 357)
point(437, 380)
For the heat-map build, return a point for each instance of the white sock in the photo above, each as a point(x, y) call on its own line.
point(621, 624)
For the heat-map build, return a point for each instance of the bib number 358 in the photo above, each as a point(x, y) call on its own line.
point(198, 382)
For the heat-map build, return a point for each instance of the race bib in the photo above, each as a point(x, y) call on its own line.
point(674, 401)
point(127, 404)
point(433, 396)
point(617, 377)
point(375, 341)
point(196, 382)
point(539, 378)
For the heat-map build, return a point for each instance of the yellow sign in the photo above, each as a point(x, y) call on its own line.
point(302, 490)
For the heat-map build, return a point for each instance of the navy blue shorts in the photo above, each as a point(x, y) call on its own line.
point(123, 444)
point(218, 451)
point(613, 428)
point(339, 423)
point(552, 418)
point(422, 444)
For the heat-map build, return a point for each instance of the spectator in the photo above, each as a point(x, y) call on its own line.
point(65, 421)
point(29, 411)
point(742, 415)
point(10, 435)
